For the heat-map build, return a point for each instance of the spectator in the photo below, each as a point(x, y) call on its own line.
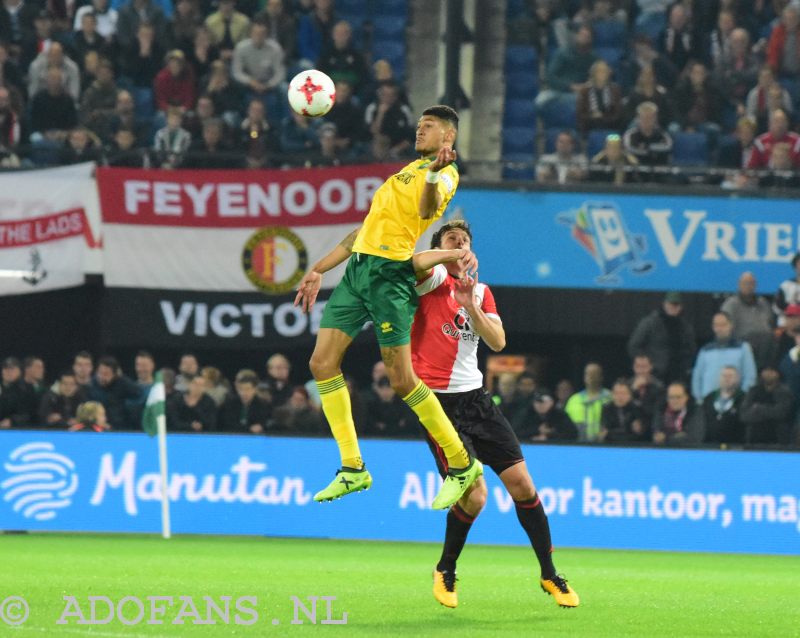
point(737, 69)
point(752, 316)
point(722, 407)
point(677, 42)
point(257, 138)
point(258, 65)
point(613, 164)
point(341, 61)
point(217, 387)
point(100, 100)
point(621, 420)
point(228, 95)
point(314, 31)
point(650, 145)
point(122, 151)
point(10, 74)
point(698, 103)
point(525, 387)
point(720, 40)
point(59, 408)
point(132, 16)
point(642, 55)
point(567, 70)
point(681, 421)
point(765, 97)
point(184, 24)
point(348, 117)
point(168, 377)
point(564, 390)
point(723, 351)
point(171, 143)
point(201, 54)
point(647, 89)
point(390, 117)
point(767, 410)
point(227, 27)
point(213, 150)
point(38, 40)
point(193, 120)
point(105, 16)
point(543, 420)
point(789, 367)
point(54, 57)
point(387, 414)
point(53, 111)
point(82, 368)
point(245, 412)
point(277, 386)
point(298, 415)
point(88, 39)
point(737, 154)
point(299, 136)
point(585, 408)
point(651, 16)
point(90, 416)
point(188, 369)
point(783, 50)
point(143, 57)
point(788, 292)
point(124, 116)
point(329, 153)
point(782, 173)
point(113, 389)
point(504, 387)
point(16, 19)
point(81, 146)
point(599, 101)
point(283, 25)
point(14, 396)
point(192, 411)
point(648, 391)
point(145, 367)
point(175, 83)
point(667, 338)
point(778, 132)
point(565, 166)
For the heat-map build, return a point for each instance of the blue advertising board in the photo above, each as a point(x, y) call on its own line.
point(630, 241)
point(595, 497)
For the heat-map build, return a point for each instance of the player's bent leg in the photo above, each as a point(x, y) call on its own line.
point(532, 518)
point(459, 522)
point(462, 471)
point(326, 368)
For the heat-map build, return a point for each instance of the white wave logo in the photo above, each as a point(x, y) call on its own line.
point(41, 481)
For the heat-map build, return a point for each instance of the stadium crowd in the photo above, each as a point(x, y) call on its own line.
point(630, 88)
point(197, 84)
point(740, 388)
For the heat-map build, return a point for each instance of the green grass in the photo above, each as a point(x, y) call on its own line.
point(385, 588)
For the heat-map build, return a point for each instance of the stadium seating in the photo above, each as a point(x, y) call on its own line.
point(519, 112)
point(389, 28)
point(392, 50)
point(518, 139)
point(596, 140)
point(522, 84)
point(689, 149)
point(519, 166)
point(560, 113)
point(520, 57)
point(609, 33)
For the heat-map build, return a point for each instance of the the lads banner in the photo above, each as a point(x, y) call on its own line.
point(45, 232)
point(232, 231)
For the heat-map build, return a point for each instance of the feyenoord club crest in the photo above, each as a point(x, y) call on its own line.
point(274, 259)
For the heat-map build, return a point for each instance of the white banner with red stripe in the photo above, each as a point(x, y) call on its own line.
point(46, 232)
point(232, 231)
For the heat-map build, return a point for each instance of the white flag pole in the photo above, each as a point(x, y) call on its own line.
point(162, 464)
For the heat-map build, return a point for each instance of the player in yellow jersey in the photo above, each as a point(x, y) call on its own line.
point(379, 285)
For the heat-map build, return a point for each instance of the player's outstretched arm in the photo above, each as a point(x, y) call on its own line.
point(489, 329)
point(431, 199)
point(309, 286)
point(425, 260)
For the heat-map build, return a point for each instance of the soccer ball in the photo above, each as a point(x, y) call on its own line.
point(311, 93)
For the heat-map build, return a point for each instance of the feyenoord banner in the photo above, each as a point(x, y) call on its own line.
point(229, 231)
point(45, 234)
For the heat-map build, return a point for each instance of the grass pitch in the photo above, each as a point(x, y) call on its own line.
point(385, 588)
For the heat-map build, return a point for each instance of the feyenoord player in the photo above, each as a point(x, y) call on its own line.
point(378, 285)
point(455, 312)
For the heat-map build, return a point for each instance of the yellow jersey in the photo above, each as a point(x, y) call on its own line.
point(393, 226)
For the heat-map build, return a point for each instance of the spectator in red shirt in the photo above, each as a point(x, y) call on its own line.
point(778, 133)
point(783, 50)
point(174, 85)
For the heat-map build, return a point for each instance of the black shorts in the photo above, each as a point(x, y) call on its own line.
point(486, 433)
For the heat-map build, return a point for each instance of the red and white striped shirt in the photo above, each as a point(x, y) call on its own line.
point(444, 347)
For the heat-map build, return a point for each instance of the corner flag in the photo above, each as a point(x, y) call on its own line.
point(154, 421)
point(155, 406)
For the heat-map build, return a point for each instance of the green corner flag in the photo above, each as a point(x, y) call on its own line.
point(155, 406)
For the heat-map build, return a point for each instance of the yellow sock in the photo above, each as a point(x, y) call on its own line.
point(336, 406)
point(430, 413)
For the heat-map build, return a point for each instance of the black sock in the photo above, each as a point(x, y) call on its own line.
point(534, 521)
point(458, 526)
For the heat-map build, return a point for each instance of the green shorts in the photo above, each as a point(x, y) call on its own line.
point(374, 289)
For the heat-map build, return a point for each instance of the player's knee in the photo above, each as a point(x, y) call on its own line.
point(521, 487)
point(322, 367)
point(478, 496)
point(402, 382)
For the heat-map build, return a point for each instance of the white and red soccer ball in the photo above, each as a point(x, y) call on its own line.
point(311, 93)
